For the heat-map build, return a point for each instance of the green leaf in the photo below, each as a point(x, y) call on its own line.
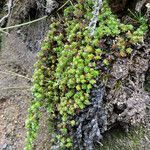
point(78, 87)
point(72, 122)
point(92, 81)
point(106, 62)
point(89, 86)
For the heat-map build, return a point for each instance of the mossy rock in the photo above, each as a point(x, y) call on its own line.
point(116, 139)
point(71, 63)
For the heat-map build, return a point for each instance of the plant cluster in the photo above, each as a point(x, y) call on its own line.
point(69, 63)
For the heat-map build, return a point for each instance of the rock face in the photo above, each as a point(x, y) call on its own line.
point(125, 98)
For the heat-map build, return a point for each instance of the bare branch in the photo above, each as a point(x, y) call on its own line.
point(16, 88)
point(14, 74)
point(23, 24)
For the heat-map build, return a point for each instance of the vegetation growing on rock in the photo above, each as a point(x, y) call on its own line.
point(69, 64)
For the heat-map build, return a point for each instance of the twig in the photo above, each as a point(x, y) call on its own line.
point(16, 88)
point(4, 32)
point(64, 4)
point(14, 74)
point(23, 24)
point(58, 16)
point(71, 3)
point(9, 4)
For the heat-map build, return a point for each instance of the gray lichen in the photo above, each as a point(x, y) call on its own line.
point(92, 121)
point(96, 9)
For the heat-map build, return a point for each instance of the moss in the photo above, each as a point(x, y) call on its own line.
point(66, 69)
point(119, 140)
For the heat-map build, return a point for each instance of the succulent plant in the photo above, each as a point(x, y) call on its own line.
point(71, 67)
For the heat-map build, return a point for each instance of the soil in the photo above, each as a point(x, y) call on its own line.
point(17, 56)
